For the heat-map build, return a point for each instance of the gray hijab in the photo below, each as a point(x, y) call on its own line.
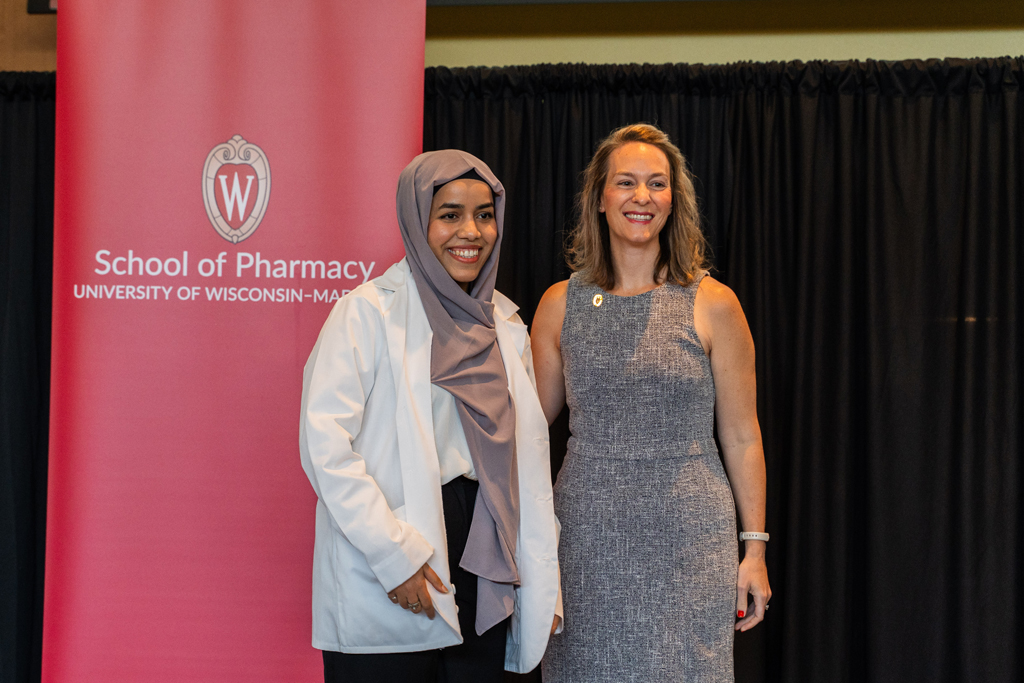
point(465, 361)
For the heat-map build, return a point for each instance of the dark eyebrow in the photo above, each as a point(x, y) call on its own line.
point(633, 175)
point(460, 207)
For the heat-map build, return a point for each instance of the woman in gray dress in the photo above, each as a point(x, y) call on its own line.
point(649, 351)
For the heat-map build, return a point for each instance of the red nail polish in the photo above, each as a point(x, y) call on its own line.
point(740, 614)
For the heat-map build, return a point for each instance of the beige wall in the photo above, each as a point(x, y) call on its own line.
point(28, 42)
point(693, 32)
point(722, 48)
point(723, 31)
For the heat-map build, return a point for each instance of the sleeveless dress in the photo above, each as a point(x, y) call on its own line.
point(648, 547)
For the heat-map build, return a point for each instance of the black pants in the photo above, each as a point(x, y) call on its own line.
point(479, 659)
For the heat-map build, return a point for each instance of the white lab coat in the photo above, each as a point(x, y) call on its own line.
point(367, 446)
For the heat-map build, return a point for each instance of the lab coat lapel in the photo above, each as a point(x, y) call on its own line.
point(409, 337)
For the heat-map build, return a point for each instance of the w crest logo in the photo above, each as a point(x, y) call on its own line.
point(236, 188)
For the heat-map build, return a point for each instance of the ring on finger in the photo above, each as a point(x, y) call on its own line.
point(414, 605)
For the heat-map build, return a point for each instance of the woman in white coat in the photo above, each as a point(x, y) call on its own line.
point(423, 437)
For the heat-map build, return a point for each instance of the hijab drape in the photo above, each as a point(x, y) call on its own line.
point(466, 362)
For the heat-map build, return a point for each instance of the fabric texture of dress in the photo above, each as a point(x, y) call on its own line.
point(648, 546)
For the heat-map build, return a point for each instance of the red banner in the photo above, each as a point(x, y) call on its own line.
point(225, 171)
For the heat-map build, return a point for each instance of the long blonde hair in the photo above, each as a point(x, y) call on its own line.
point(682, 243)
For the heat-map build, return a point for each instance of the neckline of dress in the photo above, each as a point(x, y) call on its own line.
point(633, 296)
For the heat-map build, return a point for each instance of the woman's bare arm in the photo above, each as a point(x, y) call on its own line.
point(723, 330)
point(545, 338)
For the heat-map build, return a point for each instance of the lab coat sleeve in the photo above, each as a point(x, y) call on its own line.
point(337, 383)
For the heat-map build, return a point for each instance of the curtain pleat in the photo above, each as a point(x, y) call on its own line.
point(26, 254)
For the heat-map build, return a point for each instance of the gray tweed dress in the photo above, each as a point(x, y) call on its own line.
point(648, 546)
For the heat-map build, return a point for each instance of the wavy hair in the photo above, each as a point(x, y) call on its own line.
point(682, 243)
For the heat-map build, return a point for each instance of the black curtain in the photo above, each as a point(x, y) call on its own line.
point(869, 217)
point(26, 254)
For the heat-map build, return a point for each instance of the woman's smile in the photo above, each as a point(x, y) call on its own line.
point(642, 218)
point(465, 254)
